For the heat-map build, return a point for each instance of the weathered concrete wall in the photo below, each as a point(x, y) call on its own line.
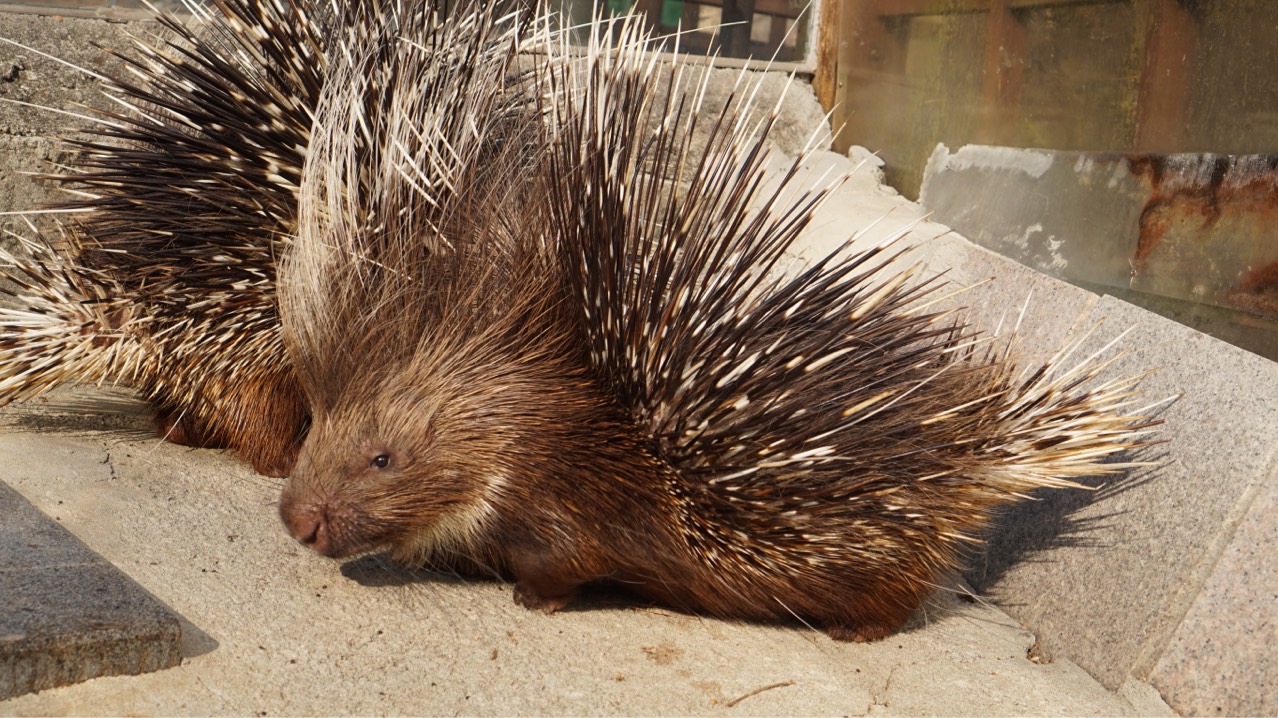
point(1169, 576)
point(28, 79)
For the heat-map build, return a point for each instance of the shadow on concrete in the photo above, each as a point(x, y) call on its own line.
point(379, 571)
point(194, 641)
point(96, 413)
point(1025, 532)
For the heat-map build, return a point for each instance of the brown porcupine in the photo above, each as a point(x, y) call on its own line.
point(163, 278)
point(606, 380)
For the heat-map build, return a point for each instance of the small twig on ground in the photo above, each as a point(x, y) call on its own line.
point(757, 691)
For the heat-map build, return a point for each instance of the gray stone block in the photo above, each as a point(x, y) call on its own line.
point(1222, 661)
point(20, 159)
point(38, 80)
point(996, 295)
point(299, 634)
point(69, 615)
point(33, 81)
point(801, 120)
point(880, 212)
point(1104, 577)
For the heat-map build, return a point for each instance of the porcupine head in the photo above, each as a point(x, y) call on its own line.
point(424, 313)
point(568, 362)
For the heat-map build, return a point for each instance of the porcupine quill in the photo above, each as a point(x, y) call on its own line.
point(163, 277)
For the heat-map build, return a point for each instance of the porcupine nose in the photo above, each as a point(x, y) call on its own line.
point(308, 523)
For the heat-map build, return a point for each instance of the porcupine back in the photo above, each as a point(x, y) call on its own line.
point(841, 444)
point(186, 193)
point(603, 380)
point(858, 440)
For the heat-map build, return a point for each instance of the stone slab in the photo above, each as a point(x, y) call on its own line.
point(1087, 549)
point(999, 297)
point(1222, 660)
point(1106, 577)
point(69, 615)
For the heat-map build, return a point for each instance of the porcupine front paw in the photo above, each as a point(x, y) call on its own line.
point(873, 622)
point(275, 465)
point(861, 634)
point(174, 426)
point(541, 584)
point(536, 599)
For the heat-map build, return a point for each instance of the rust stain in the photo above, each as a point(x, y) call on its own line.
point(1191, 194)
point(1256, 291)
point(1195, 191)
point(1170, 201)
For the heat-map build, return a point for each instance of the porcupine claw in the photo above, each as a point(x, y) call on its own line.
point(533, 600)
point(868, 632)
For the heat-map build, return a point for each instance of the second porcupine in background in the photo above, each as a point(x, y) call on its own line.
point(602, 381)
point(161, 276)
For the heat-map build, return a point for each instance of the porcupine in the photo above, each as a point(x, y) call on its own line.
point(163, 276)
point(607, 380)
point(166, 280)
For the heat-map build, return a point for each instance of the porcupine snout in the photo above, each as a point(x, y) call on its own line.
point(307, 522)
point(315, 516)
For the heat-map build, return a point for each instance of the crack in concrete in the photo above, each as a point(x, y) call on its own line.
point(878, 698)
point(111, 475)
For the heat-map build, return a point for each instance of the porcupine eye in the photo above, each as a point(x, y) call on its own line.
point(380, 461)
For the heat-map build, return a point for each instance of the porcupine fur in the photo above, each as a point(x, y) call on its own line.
point(606, 380)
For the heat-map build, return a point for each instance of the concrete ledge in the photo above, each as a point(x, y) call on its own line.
point(1102, 601)
point(1168, 576)
point(69, 615)
point(1076, 566)
point(1219, 655)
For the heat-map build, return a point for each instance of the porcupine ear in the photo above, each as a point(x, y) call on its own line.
point(414, 139)
point(746, 380)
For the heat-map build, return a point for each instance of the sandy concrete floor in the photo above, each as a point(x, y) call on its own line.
point(273, 629)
